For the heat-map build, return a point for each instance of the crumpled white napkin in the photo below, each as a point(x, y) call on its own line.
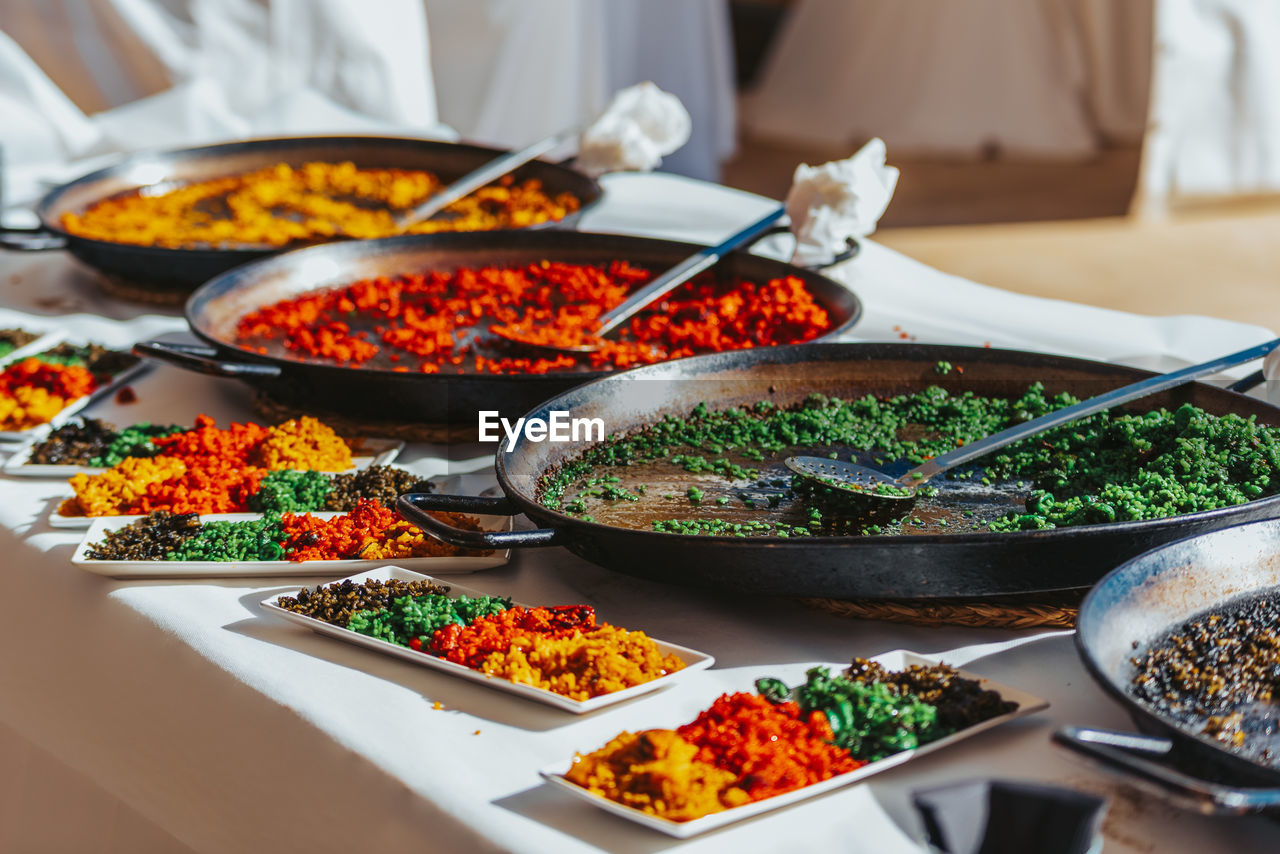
point(830, 203)
point(641, 125)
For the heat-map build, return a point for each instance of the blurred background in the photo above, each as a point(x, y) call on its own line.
point(1146, 130)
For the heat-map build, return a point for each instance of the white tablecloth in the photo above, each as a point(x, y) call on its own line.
point(220, 729)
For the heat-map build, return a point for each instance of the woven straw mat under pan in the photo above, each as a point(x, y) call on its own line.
point(121, 288)
point(1044, 611)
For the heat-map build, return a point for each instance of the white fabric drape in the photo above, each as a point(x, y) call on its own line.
point(1215, 100)
point(114, 52)
point(185, 72)
point(39, 120)
point(509, 72)
point(506, 71)
point(91, 51)
point(686, 48)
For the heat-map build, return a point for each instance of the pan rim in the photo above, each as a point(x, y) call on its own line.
point(512, 238)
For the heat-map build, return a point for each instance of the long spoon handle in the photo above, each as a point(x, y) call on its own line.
point(1124, 394)
point(486, 174)
point(683, 272)
point(1125, 751)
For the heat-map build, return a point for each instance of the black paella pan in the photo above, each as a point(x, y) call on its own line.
point(182, 270)
point(1140, 604)
point(376, 390)
point(909, 566)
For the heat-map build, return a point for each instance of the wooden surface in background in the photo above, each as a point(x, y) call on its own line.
point(1222, 262)
point(933, 191)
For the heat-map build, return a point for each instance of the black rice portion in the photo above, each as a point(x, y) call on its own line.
point(960, 702)
point(335, 603)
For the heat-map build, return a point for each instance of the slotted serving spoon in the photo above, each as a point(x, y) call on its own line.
point(872, 483)
point(650, 293)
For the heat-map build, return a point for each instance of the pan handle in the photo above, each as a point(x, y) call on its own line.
point(1256, 378)
point(415, 507)
point(1119, 750)
point(197, 357)
point(851, 248)
point(30, 239)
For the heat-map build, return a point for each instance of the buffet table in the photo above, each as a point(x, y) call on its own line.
point(213, 727)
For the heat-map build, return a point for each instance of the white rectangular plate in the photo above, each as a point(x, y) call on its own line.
point(894, 660)
point(371, 452)
point(76, 405)
point(270, 568)
point(693, 659)
point(44, 341)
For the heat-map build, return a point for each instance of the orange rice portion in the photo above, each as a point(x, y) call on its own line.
point(283, 205)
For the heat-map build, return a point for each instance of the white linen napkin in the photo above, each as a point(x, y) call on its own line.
point(830, 203)
point(641, 125)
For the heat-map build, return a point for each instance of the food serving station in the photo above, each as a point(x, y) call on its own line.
point(195, 696)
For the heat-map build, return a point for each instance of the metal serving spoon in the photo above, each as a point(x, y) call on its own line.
point(652, 292)
point(1126, 751)
point(866, 481)
point(477, 178)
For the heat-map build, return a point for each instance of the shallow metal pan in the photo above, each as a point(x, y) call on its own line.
point(382, 393)
point(182, 270)
point(981, 564)
point(1145, 600)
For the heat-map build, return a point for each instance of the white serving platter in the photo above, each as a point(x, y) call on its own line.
point(694, 660)
point(271, 568)
point(75, 406)
point(895, 660)
point(378, 452)
point(44, 341)
point(372, 452)
point(82, 523)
